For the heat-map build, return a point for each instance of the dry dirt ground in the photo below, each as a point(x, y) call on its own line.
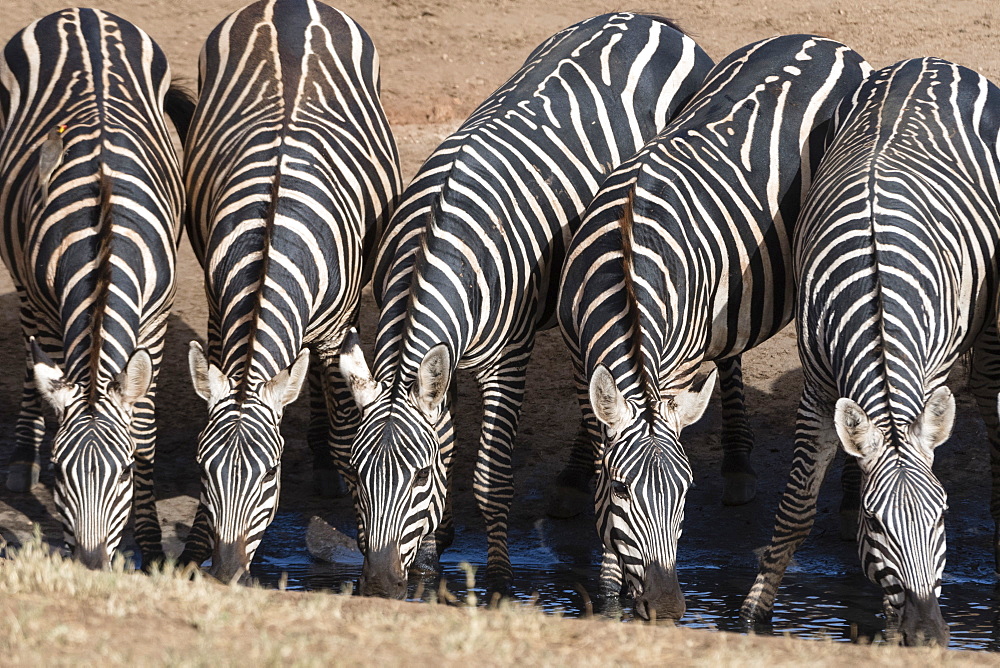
point(439, 59)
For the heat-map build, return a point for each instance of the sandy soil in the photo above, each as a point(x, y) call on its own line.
point(440, 58)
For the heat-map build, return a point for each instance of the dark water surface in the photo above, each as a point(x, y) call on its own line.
point(816, 600)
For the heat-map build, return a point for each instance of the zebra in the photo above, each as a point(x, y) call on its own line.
point(91, 203)
point(468, 272)
point(290, 167)
point(896, 263)
point(683, 259)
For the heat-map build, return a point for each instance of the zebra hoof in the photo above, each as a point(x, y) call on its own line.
point(153, 562)
point(755, 619)
point(739, 488)
point(849, 525)
point(567, 502)
point(22, 476)
point(329, 484)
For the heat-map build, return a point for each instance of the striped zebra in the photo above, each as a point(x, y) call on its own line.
point(684, 258)
point(896, 263)
point(468, 272)
point(91, 207)
point(290, 168)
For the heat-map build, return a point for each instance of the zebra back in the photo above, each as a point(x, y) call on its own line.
point(507, 189)
point(291, 169)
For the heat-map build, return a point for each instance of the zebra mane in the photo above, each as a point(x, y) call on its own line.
point(663, 19)
point(103, 281)
point(258, 293)
point(632, 297)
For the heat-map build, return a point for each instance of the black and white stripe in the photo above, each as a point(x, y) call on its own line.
point(684, 258)
point(469, 269)
point(91, 209)
point(896, 263)
point(290, 167)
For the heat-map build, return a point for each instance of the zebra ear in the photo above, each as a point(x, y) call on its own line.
point(355, 372)
point(607, 400)
point(284, 388)
point(209, 382)
point(433, 380)
point(49, 379)
point(933, 426)
point(691, 404)
point(855, 429)
point(134, 380)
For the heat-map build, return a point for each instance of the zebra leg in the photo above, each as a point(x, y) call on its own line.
point(572, 495)
point(816, 446)
point(199, 543)
point(428, 559)
point(984, 381)
point(25, 463)
point(493, 483)
point(740, 480)
point(850, 502)
point(610, 587)
point(147, 522)
point(327, 481)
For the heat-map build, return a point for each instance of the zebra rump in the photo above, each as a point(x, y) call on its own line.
point(290, 168)
point(91, 207)
point(896, 266)
point(684, 258)
point(468, 272)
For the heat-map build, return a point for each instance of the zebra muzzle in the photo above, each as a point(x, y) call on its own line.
point(661, 596)
point(96, 558)
point(921, 622)
point(229, 561)
point(382, 574)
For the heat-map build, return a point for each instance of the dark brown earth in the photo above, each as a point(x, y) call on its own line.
point(440, 58)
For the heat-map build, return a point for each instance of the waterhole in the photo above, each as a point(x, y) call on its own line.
point(816, 600)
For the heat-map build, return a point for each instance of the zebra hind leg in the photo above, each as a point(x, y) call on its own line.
point(816, 446)
point(739, 477)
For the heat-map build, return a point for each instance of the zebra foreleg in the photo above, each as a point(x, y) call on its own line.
point(740, 480)
point(850, 501)
point(147, 522)
point(572, 494)
point(25, 464)
point(984, 382)
point(816, 446)
point(493, 482)
point(328, 481)
point(610, 589)
point(199, 543)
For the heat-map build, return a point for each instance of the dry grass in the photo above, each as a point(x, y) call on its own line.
point(54, 612)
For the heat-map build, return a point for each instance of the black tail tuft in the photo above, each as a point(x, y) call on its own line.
point(179, 105)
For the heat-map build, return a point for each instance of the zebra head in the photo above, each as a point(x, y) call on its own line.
point(239, 452)
point(641, 486)
point(398, 464)
point(93, 453)
point(901, 538)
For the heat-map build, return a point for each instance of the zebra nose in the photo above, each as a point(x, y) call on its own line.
point(229, 561)
point(661, 596)
point(921, 621)
point(382, 574)
point(95, 558)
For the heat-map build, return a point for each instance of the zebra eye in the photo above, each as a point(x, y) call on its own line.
point(619, 489)
point(126, 473)
point(271, 472)
point(57, 471)
point(421, 476)
point(874, 524)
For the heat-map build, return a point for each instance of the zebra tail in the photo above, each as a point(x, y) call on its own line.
point(179, 105)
